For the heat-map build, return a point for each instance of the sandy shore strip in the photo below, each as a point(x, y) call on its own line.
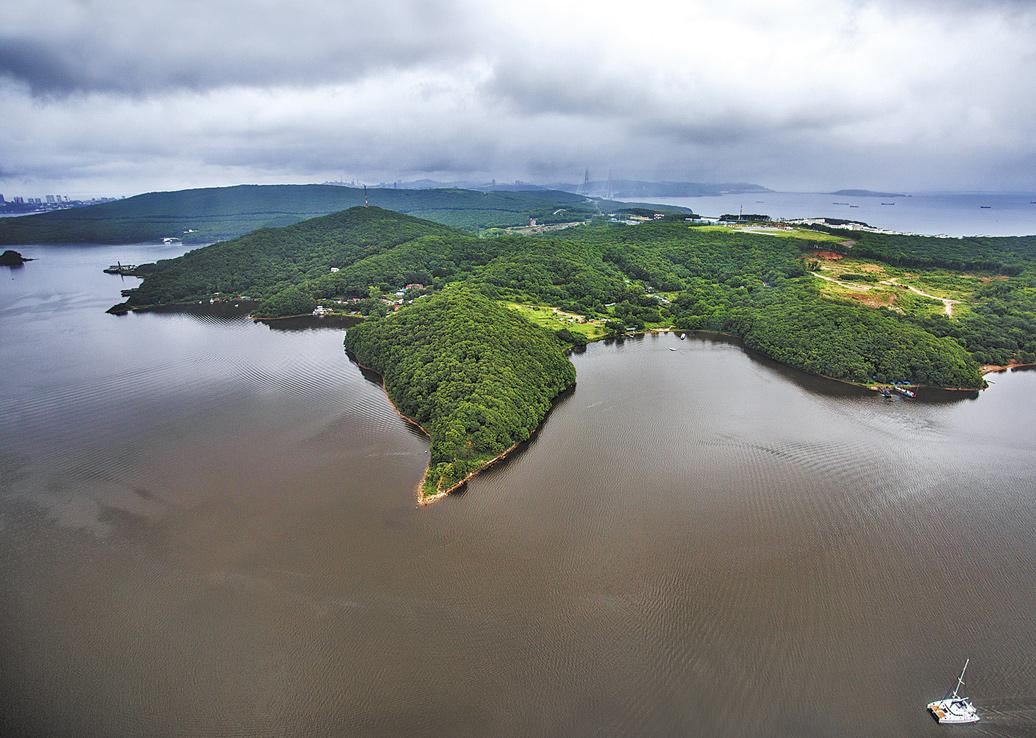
point(997, 368)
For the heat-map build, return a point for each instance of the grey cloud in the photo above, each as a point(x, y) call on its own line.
point(124, 97)
point(108, 45)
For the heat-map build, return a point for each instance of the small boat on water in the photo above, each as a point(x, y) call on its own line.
point(888, 203)
point(955, 709)
point(985, 207)
point(671, 348)
point(905, 392)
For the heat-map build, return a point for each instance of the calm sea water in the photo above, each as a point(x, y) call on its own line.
point(207, 526)
point(954, 214)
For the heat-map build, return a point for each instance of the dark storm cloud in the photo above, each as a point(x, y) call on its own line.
point(107, 95)
point(114, 45)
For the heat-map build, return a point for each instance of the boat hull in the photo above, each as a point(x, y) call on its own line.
point(953, 712)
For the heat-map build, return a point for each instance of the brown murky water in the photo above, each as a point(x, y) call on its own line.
point(208, 527)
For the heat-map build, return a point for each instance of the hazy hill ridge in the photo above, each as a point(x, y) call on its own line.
point(212, 214)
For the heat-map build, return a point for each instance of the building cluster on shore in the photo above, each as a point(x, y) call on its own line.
point(19, 204)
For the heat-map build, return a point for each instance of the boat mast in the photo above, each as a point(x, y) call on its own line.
point(960, 679)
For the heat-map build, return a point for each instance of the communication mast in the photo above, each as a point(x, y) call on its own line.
point(586, 182)
point(365, 203)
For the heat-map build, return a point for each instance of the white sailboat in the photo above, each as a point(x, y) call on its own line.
point(955, 709)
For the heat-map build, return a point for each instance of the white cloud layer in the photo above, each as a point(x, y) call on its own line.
point(102, 96)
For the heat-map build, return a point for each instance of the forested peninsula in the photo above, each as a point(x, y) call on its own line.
point(470, 333)
point(477, 377)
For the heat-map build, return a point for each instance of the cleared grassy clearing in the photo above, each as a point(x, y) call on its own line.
point(941, 283)
point(859, 294)
point(555, 319)
point(874, 284)
point(805, 234)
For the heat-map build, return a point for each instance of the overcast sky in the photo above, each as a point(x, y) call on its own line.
point(124, 96)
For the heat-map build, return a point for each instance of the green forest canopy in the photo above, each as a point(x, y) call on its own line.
point(479, 376)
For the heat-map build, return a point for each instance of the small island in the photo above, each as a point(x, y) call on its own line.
point(11, 258)
point(470, 334)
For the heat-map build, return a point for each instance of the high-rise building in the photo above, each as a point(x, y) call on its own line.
point(50, 199)
point(2, 200)
point(18, 200)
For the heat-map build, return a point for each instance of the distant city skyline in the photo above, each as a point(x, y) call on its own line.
point(812, 96)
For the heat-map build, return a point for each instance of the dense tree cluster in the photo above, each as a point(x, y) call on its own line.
point(271, 259)
point(11, 258)
point(795, 326)
point(289, 301)
point(1001, 327)
point(570, 274)
point(478, 377)
point(754, 286)
point(428, 260)
point(1005, 255)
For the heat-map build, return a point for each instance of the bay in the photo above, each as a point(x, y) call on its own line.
point(208, 526)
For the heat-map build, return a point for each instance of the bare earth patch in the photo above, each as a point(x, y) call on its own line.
point(873, 299)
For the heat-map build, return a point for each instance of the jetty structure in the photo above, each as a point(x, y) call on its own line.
point(121, 269)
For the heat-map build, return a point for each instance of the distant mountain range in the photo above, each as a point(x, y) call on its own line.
point(617, 188)
point(217, 213)
point(477, 186)
point(867, 193)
